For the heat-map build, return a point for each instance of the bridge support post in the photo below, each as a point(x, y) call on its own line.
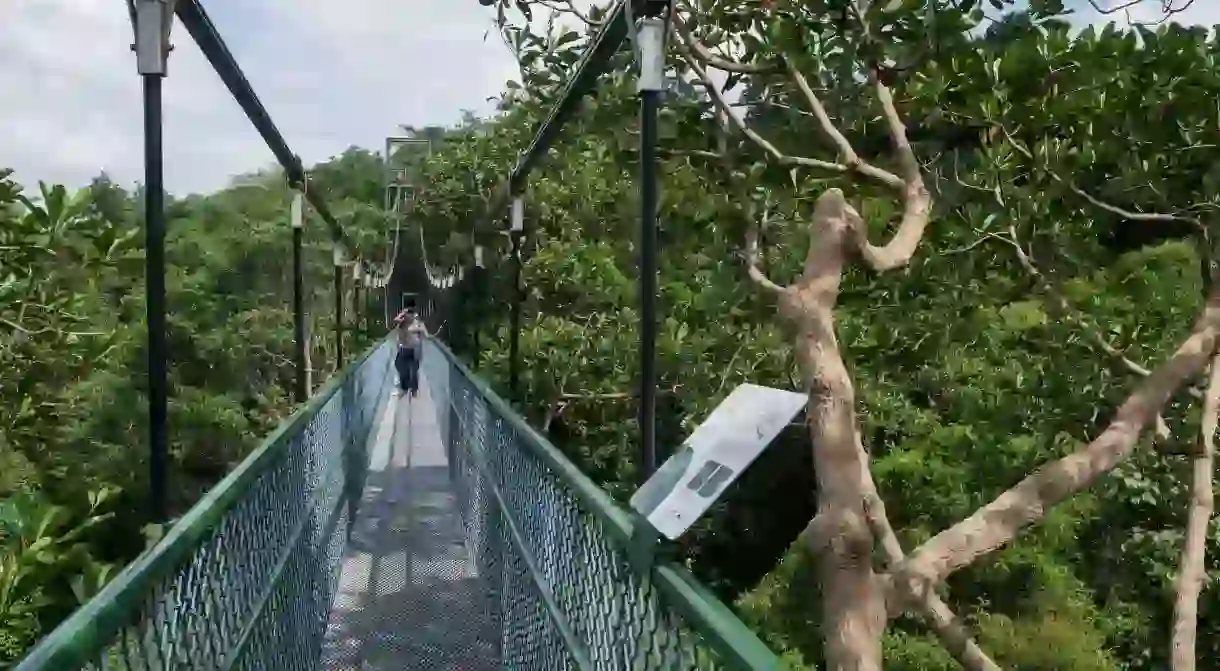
point(651, 41)
point(338, 289)
point(476, 302)
point(357, 305)
point(517, 232)
point(302, 381)
point(151, 21)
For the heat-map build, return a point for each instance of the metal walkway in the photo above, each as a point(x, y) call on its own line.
point(266, 573)
point(409, 595)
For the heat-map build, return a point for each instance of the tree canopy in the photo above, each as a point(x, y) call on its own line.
point(73, 412)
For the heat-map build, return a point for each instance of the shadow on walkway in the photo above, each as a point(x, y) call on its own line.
point(409, 596)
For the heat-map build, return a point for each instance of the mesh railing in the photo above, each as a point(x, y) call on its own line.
point(556, 549)
point(246, 578)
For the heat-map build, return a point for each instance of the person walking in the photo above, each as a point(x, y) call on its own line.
point(411, 332)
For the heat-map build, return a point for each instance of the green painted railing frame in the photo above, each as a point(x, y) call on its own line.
point(701, 609)
point(90, 630)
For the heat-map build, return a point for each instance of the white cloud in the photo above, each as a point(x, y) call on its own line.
point(331, 74)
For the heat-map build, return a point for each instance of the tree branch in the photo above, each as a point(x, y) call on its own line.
point(553, 411)
point(951, 632)
point(704, 54)
point(1029, 501)
point(753, 256)
point(1192, 570)
point(570, 9)
point(846, 153)
point(1092, 332)
point(1167, 10)
point(608, 396)
point(1098, 203)
point(917, 202)
point(725, 108)
point(1068, 310)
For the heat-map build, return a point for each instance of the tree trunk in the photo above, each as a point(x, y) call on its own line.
point(853, 601)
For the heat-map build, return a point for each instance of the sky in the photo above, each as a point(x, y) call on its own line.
point(331, 73)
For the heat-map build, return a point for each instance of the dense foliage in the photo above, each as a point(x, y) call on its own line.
point(73, 432)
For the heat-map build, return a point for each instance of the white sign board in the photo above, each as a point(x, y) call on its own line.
point(723, 446)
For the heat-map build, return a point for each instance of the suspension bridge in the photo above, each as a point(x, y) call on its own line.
point(379, 531)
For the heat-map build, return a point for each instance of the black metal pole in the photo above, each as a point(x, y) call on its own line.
point(514, 354)
point(338, 316)
point(154, 241)
point(357, 309)
point(476, 313)
point(649, 102)
point(298, 311)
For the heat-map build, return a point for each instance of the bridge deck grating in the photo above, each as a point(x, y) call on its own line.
point(409, 595)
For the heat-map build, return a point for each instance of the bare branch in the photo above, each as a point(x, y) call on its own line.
point(553, 411)
point(609, 396)
point(752, 263)
point(704, 54)
point(569, 9)
point(1097, 202)
point(729, 368)
point(1068, 310)
point(1029, 501)
point(917, 202)
point(696, 153)
point(1092, 331)
point(1115, 9)
point(952, 633)
point(1192, 569)
point(725, 108)
point(1168, 9)
point(846, 152)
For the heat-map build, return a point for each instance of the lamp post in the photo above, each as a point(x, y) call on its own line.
point(650, 53)
point(303, 383)
point(338, 289)
point(357, 305)
point(151, 21)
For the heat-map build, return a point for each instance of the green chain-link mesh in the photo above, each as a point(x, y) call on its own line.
point(555, 549)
